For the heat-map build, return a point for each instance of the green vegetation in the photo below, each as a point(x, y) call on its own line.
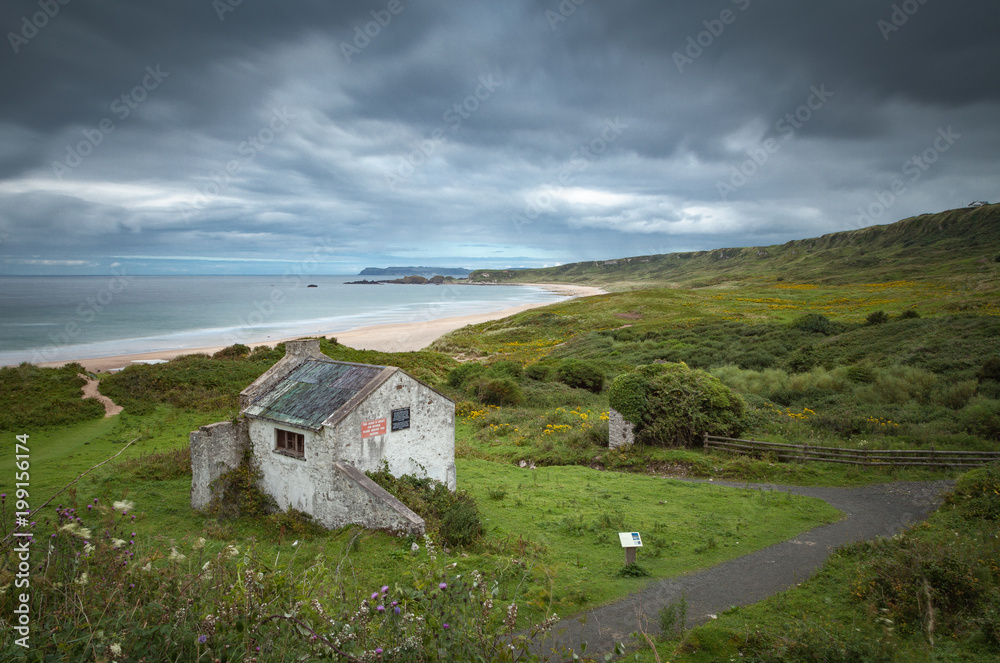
point(247, 570)
point(672, 405)
point(957, 242)
point(929, 594)
point(36, 398)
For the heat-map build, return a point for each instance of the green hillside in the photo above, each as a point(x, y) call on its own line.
point(962, 242)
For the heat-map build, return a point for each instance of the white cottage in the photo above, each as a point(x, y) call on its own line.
point(315, 426)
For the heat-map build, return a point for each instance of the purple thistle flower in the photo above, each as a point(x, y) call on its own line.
point(385, 588)
point(380, 608)
point(374, 595)
point(396, 610)
point(202, 639)
point(378, 651)
point(446, 627)
point(443, 585)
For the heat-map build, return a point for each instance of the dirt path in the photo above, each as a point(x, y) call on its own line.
point(870, 511)
point(91, 390)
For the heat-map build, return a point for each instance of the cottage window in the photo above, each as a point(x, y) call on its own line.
point(290, 443)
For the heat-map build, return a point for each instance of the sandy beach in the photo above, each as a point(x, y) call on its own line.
point(403, 337)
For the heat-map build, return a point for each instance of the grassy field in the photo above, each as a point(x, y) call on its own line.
point(551, 539)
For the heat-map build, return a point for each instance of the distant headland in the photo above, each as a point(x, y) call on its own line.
point(458, 272)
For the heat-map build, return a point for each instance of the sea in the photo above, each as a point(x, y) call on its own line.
point(59, 318)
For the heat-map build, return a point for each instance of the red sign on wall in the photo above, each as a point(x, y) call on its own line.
point(372, 428)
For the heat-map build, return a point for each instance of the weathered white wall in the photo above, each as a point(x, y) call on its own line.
point(426, 448)
point(215, 450)
point(292, 482)
point(620, 430)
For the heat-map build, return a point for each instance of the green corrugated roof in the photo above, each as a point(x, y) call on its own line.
point(308, 395)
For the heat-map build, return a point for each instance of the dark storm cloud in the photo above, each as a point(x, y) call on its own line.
point(523, 132)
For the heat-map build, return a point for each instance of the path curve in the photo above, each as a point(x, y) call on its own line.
point(871, 511)
point(92, 390)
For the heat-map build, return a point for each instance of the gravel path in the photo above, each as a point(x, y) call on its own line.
point(871, 511)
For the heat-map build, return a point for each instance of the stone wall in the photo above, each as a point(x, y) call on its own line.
point(620, 430)
point(363, 502)
point(215, 450)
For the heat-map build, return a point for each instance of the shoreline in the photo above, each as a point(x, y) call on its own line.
point(391, 337)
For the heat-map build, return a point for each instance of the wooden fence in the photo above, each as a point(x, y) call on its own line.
point(867, 457)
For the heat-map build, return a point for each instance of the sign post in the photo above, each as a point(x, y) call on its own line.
point(630, 541)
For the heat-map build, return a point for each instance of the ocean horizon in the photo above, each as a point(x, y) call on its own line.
point(62, 318)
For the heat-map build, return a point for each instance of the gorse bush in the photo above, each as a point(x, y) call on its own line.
point(581, 374)
point(877, 318)
point(462, 373)
point(506, 368)
point(498, 391)
point(677, 405)
point(539, 372)
point(816, 323)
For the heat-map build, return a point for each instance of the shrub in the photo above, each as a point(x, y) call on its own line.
point(451, 515)
point(237, 351)
point(506, 368)
point(679, 405)
point(877, 318)
point(498, 391)
point(236, 493)
point(981, 417)
point(581, 375)
point(909, 314)
point(990, 370)
point(460, 523)
point(463, 373)
point(801, 360)
point(539, 372)
point(627, 394)
point(757, 360)
point(815, 323)
point(956, 396)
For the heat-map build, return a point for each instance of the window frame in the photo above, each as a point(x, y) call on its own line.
point(289, 443)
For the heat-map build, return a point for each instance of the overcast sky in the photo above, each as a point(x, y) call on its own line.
point(257, 136)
